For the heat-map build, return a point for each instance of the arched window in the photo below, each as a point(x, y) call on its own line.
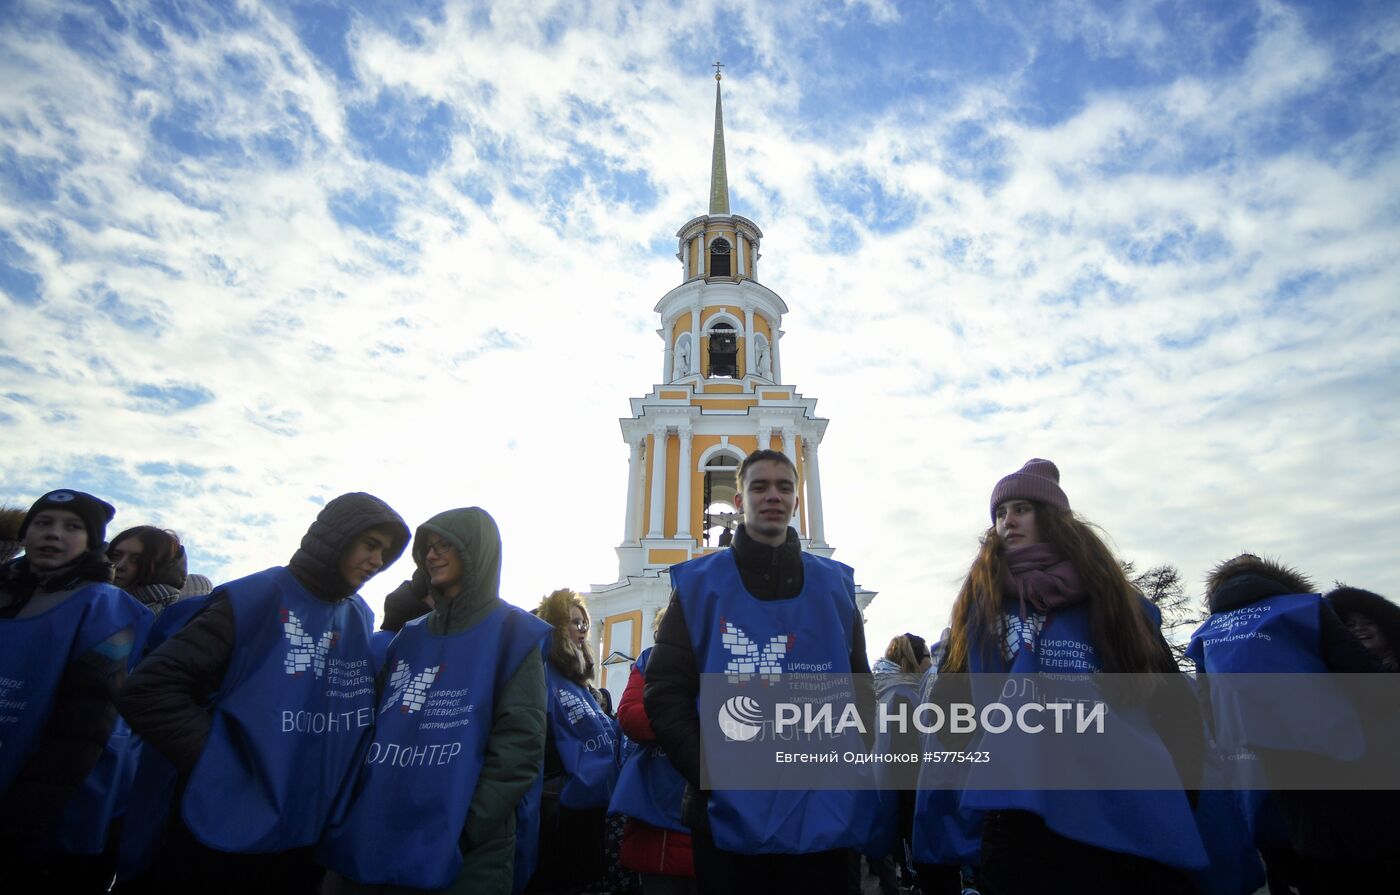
point(721, 484)
point(719, 258)
point(724, 351)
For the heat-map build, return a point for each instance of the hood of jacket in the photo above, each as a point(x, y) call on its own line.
point(474, 534)
point(316, 564)
point(1248, 579)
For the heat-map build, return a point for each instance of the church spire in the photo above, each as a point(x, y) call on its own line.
point(719, 177)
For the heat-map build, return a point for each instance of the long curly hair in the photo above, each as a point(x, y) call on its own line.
point(1122, 633)
point(574, 662)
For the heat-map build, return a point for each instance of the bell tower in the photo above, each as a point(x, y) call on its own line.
point(722, 396)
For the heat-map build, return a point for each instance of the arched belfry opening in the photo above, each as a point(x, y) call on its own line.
point(724, 351)
point(721, 484)
point(720, 255)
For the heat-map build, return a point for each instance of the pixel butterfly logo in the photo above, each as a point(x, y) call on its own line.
point(748, 660)
point(409, 690)
point(306, 653)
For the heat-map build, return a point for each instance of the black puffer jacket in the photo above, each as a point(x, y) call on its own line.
point(166, 698)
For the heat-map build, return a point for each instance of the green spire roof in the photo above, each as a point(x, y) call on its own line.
point(719, 177)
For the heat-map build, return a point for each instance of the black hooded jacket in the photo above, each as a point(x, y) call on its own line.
point(166, 698)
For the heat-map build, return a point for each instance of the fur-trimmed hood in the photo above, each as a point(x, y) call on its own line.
point(1248, 578)
point(575, 663)
point(1385, 615)
point(10, 520)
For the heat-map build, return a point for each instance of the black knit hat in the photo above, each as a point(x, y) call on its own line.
point(94, 511)
point(1038, 481)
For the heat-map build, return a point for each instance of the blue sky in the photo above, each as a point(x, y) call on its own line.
point(251, 258)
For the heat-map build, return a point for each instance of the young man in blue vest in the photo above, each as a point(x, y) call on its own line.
point(763, 583)
point(262, 704)
point(66, 636)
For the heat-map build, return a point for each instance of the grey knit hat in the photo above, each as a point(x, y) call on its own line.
point(1038, 481)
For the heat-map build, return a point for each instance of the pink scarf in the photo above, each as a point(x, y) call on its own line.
point(1039, 575)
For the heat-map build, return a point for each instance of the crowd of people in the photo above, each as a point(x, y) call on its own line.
point(159, 735)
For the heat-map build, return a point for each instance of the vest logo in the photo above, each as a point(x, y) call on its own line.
point(1229, 622)
point(575, 707)
point(740, 719)
point(408, 690)
point(746, 659)
point(306, 652)
point(1021, 633)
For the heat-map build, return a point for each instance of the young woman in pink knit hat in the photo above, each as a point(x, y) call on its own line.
point(1044, 594)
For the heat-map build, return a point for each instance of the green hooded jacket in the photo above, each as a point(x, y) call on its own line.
point(515, 750)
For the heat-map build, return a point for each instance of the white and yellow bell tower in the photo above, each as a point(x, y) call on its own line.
point(722, 397)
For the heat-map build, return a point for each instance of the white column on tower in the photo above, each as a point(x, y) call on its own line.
point(695, 339)
point(636, 507)
point(657, 528)
point(750, 355)
point(634, 474)
point(790, 449)
point(814, 494)
point(739, 244)
point(685, 260)
point(669, 355)
point(777, 354)
point(683, 476)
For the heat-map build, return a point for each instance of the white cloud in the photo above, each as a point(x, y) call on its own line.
point(968, 289)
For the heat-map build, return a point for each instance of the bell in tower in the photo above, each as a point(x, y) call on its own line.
point(722, 398)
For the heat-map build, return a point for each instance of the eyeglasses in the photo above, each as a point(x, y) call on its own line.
point(441, 548)
point(579, 625)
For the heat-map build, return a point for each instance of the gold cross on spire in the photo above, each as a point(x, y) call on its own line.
point(718, 66)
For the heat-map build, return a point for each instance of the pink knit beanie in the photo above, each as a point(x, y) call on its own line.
point(1038, 481)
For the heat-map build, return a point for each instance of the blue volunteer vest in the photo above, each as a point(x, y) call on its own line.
point(1156, 824)
point(944, 832)
point(289, 722)
point(34, 652)
point(379, 648)
point(1275, 635)
point(585, 740)
point(649, 788)
point(819, 625)
point(1235, 867)
point(414, 790)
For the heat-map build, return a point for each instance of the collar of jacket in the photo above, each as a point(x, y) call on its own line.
point(769, 573)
